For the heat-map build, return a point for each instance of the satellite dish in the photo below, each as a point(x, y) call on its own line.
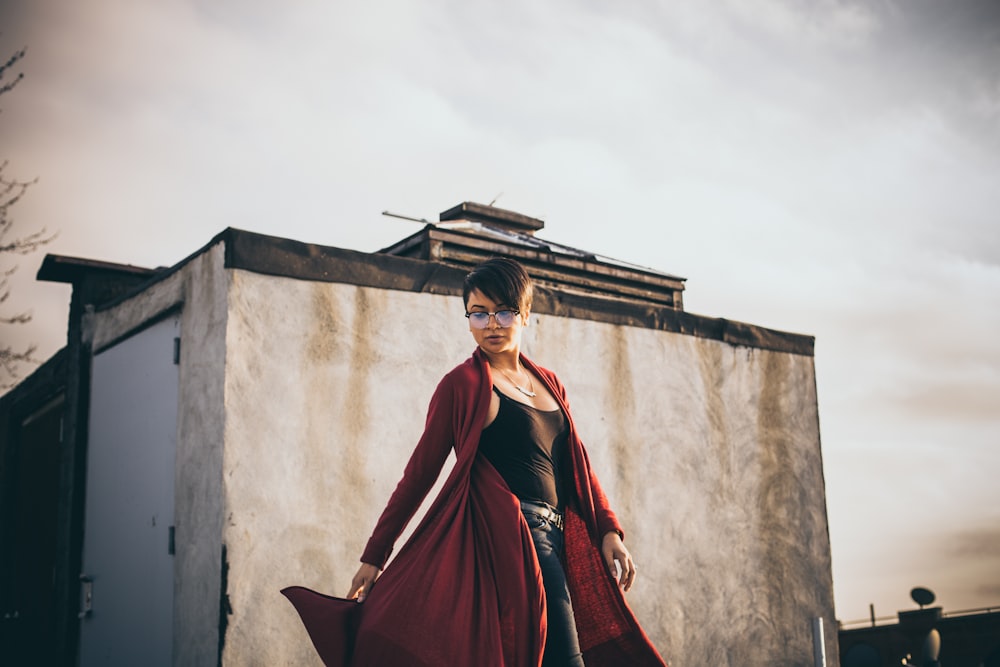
point(922, 596)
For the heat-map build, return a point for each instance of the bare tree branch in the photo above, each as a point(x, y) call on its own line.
point(10, 362)
point(11, 192)
point(7, 87)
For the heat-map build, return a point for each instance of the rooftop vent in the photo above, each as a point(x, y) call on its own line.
point(493, 216)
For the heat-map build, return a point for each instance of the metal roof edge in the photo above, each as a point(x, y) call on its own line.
point(295, 259)
point(637, 314)
point(278, 256)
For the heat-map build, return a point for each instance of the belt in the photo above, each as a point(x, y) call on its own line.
point(546, 512)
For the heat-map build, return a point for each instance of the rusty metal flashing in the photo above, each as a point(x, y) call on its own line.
point(629, 313)
point(293, 259)
point(271, 255)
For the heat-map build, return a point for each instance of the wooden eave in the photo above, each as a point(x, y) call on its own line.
point(64, 269)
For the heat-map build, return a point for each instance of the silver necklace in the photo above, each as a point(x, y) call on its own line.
point(526, 392)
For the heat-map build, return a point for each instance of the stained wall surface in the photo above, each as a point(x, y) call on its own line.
point(198, 291)
point(709, 452)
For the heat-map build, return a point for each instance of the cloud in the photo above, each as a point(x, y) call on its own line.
point(821, 167)
point(975, 557)
point(944, 56)
point(989, 591)
point(983, 542)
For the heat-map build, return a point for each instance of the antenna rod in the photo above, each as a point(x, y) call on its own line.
point(406, 217)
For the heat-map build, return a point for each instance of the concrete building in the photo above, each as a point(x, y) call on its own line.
point(234, 424)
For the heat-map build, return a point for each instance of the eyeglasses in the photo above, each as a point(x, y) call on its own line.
point(481, 319)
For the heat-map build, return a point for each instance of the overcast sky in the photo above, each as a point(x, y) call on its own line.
point(823, 167)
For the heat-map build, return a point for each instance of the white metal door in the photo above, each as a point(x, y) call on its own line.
point(128, 570)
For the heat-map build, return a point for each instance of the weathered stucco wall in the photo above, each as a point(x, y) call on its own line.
point(327, 387)
point(200, 435)
point(199, 291)
point(709, 453)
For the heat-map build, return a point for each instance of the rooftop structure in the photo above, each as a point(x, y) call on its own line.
point(469, 233)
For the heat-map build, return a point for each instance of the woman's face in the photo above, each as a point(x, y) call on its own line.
point(495, 339)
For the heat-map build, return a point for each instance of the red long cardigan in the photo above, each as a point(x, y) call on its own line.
point(466, 590)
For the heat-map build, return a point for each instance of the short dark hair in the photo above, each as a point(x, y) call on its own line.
point(502, 280)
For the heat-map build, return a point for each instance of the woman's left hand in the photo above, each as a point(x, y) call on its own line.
point(614, 551)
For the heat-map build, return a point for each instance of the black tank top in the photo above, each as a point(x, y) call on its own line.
point(527, 446)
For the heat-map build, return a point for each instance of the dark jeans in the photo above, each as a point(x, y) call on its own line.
point(562, 648)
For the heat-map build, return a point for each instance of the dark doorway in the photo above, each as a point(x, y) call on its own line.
point(28, 551)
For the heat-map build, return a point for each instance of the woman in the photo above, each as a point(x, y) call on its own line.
point(519, 561)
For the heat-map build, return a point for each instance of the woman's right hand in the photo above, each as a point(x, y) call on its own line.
point(362, 583)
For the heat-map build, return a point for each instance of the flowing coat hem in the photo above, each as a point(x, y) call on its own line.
point(466, 588)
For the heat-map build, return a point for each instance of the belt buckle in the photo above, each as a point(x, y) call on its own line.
point(548, 514)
